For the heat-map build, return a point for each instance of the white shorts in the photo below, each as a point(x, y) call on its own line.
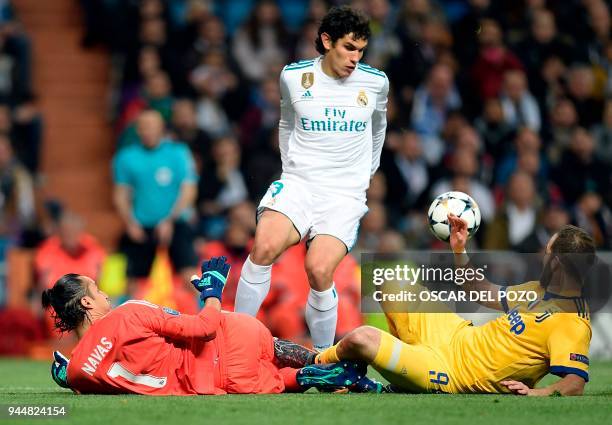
point(315, 212)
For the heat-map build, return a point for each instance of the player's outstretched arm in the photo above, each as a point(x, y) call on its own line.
point(205, 324)
point(569, 385)
point(458, 241)
point(214, 276)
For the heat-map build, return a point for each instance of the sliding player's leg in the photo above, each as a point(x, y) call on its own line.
point(414, 322)
point(324, 377)
point(435, 329)
point(324, 254)
point(412, 368)
point(291, 356)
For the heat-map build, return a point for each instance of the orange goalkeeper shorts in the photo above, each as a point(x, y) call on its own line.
point(246, 357)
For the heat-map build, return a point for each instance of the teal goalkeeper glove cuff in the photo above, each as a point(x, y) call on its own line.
point(59, 369)
point(214, 277)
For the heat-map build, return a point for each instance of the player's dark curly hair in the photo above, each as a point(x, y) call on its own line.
point(575, 249)
point(65, 299)
point(341, 21)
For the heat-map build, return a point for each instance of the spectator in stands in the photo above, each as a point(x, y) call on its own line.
point(554, 217)
point(15, 60)
point(465, 167)
point(592, 215)
point(155, 189)
point(519, 106)
point(151, 9)
point(553, 73)
point(235, 245)
point(263, 116)
point(189, 18)
point(466, 30)
point(262, 163)
point(542, 43)
point(581, 171)
point(304, 47)
point(455, 122)
point(153, 32)
point(530, 162)
point(414, 14)
point(6, 119)
point(581, 87)
point(211, 35)
point(373, 225)
point(27, 134)
point(602, 134)
point(156, 94)
point(222, 186)
point(599, 22)
point(261, 43)
point(377, 191)
point(514, 225)
point(17, 210)
point(213, 81)
point(432, 103)
point(526, 140)
point(604, 70)
point(391, 242)
point(469, 140)
point(184, 128)
point(68, 250)
point(563, 121)
point(493, 60)
point(148, 62)
point(408, 171)
point(493, 128)
point(383, 43)
point(24, 128)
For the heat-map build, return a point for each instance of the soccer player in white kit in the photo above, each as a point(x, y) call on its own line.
point(332, 129)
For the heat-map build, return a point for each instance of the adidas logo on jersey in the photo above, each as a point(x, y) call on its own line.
point(307, 95)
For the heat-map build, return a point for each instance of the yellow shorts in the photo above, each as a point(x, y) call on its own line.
point(419, 351)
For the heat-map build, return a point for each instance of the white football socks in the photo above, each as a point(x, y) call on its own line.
point(321, 317)
point(253, 287)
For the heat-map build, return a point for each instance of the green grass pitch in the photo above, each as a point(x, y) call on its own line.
point(24, 382)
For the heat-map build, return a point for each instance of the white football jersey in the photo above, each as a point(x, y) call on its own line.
point(332, 130)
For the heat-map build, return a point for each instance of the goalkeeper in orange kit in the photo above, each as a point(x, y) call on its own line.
point(143, 348)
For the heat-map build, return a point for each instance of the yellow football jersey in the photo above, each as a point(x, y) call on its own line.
point(549, 335)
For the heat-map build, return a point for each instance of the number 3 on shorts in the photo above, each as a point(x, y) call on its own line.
point(276, 187)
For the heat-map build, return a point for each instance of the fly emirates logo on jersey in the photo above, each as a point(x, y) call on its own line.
point(96, 356)
point(336, 120)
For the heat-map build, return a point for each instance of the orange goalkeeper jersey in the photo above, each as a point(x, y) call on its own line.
point(143, 348)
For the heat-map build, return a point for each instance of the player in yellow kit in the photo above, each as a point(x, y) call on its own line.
point(441, 352)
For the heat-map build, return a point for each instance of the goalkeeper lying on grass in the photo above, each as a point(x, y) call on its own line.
point(143, 348)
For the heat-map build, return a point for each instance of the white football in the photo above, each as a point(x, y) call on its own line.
point(459, 203)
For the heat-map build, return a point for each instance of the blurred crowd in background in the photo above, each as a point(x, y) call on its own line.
point(509, 101)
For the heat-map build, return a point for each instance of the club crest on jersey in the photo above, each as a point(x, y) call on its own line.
point(307, 80)
point(362, 98)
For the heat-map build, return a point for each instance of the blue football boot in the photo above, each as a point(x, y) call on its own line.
point(367, 385)
point(331, 377)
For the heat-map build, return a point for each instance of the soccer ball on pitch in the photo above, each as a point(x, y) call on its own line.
point(459, 203)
